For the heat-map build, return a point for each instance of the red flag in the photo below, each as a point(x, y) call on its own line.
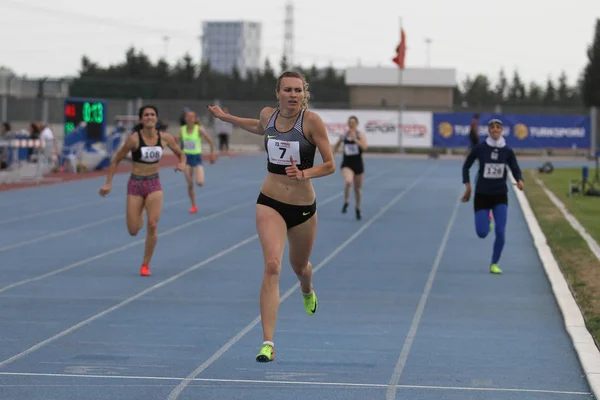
point(400, 50)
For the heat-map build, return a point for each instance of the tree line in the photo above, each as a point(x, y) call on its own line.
point(138, 76)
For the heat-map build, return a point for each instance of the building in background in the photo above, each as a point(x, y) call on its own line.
point(414, 88)
point(232, 43)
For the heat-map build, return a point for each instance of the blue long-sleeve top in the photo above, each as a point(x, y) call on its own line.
point(491, 177)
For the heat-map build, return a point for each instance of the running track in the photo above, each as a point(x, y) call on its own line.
point(407, 308)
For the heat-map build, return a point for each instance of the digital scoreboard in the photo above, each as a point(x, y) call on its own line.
point(92, 112)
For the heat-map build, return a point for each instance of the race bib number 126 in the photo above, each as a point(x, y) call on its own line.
point(493, 171)
point(280, 151)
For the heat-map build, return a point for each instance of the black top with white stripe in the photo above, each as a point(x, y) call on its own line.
point(352, 151)
point(280, 146)
point(147, 154)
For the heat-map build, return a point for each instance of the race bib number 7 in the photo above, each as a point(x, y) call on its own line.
point(280, 151)
point(493, 171)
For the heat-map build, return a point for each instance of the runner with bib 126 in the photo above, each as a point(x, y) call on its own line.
point(491, 190)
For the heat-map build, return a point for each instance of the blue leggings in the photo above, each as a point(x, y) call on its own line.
point(482, 226)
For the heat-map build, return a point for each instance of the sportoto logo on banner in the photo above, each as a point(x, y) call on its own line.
point(380, 126)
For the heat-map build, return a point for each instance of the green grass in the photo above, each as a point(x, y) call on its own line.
point(585, 208)
point(578, 264)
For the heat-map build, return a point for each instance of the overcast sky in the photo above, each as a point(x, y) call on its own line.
point(538, 38)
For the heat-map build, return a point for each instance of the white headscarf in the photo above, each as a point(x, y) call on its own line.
point(496, 143)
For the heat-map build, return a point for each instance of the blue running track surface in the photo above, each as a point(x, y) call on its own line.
point(407, 306)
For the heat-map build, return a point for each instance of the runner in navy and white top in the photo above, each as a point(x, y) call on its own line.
point(353, 167)
point(491, 190)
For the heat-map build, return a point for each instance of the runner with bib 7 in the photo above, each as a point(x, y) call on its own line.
point(491, 190)
point(286, 206)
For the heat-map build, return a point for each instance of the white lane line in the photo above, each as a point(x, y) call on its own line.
point(401, 363)
point(103, 221)
point(179, 389)
point(25, 215)
point(144, 292)
point(126, 301)
point(119, 249)
point(285, 383)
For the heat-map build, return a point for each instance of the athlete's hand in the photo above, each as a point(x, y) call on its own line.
point(180, 166)
point(466, 196)
point(212, 158)
point(216, 111)
point(520, 184)
point(104, 190)
point(292, 171)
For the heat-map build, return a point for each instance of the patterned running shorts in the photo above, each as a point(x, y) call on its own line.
point(143, 185)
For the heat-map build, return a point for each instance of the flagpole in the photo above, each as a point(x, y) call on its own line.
point(400, 102)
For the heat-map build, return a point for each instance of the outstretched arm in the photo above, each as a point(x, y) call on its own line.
point(249, 124)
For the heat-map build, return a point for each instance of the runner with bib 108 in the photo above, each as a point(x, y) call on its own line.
point(491, 190)
point(144, 190)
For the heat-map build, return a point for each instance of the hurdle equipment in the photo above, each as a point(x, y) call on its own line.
point(21, 170)
point(27, 143)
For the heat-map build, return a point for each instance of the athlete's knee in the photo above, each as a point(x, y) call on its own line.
point(133, 230)
point(200, 182)
point(152, 226)
point(272, 267)
point(301, 268)
point(482, 232)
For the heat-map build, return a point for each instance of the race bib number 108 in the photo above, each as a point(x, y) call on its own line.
point(280, 151)
point(151, 154)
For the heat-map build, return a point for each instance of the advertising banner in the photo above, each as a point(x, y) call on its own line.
point(381, 126)
point(520, 131)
